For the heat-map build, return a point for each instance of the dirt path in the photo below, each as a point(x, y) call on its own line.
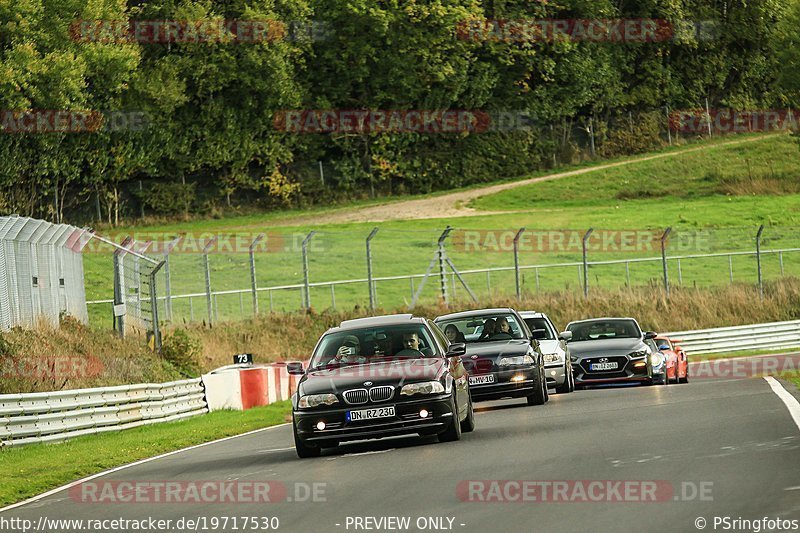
point(455, 204)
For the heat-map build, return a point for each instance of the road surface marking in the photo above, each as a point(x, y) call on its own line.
point(129, 465)
point(790, 401)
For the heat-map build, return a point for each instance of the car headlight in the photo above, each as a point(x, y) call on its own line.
point(426, 387)
point(639, 354)
point(656, 359)
point(553, 358)
point(315, 400)
point(515, 361)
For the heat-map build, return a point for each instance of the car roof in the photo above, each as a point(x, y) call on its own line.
point(600, 319)
point(377, 321)
point(532, 314)
point(475, 312)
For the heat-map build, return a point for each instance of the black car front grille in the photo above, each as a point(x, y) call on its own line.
point(381, 394)
point(621, 361)
point(356, 396)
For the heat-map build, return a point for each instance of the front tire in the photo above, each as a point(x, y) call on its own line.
point(303, 450)
point(468, 424)
point(567, 386)
point(453, 432)
point(539, 396)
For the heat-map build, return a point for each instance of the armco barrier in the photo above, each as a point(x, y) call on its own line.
point(244, 386)
point(56, 416)
point(770, 336)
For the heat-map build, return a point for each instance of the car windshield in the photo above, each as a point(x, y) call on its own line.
point(652, 345)
point(482, 328)
point(604, 329)
point(535, 324)
point(664, 342)
point(368, 345)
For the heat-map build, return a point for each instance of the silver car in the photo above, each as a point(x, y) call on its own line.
point(557, 362)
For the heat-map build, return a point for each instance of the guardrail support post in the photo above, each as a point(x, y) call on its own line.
point(209, 303)
point(516, 262)
point(253, 284)
point(664, 238)
point(370, 283)
point(306, 284)
point(758, 261)
point(586, 264)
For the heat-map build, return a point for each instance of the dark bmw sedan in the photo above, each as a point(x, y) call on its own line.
point(502, 358)
point(377, 377)
point(608, 350)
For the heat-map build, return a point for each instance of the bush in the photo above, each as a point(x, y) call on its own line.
point(183, 351)
point(168, 198)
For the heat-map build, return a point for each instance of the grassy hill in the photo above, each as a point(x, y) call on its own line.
point(725, 190)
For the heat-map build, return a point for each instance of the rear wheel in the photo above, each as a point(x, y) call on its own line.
point(453, 431)
point(303, 450)
point(469, 422)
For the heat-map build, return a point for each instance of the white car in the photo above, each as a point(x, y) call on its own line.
point(557, 363)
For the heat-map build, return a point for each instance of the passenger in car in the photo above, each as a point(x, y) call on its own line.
point(349, 351)
point(503, 326)
point(453, 334)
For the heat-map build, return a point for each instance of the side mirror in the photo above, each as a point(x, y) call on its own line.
point(456, 349)
point(565, 336)
point(295, 368)
point(650, 335)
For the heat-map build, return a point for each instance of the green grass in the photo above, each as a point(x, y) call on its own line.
point(30, 470)
point(578, 202)
point(715, 171)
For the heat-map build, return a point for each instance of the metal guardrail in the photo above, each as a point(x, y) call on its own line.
point(773, 335)
point(56, 416)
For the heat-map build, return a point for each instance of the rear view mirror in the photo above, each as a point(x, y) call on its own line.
point(565, 336)
point(295, 368)
point(456, 349)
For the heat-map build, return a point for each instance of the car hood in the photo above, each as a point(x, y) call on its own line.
point(606, 347)
point(397, 372)
point(550, 346)
point(493, 349)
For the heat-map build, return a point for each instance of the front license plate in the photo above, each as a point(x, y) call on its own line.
point(480, 380)
point(604, 366)
point(368, 414)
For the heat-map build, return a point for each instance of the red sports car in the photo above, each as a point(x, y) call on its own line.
point(677, 363)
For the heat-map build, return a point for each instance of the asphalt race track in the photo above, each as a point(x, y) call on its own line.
point(727, 446)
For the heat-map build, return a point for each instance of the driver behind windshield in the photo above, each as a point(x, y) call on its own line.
point(410, 345)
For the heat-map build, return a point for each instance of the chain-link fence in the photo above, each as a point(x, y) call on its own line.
point(216, 277)
point(41, 272)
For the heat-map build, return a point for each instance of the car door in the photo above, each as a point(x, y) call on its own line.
point(457, 371)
